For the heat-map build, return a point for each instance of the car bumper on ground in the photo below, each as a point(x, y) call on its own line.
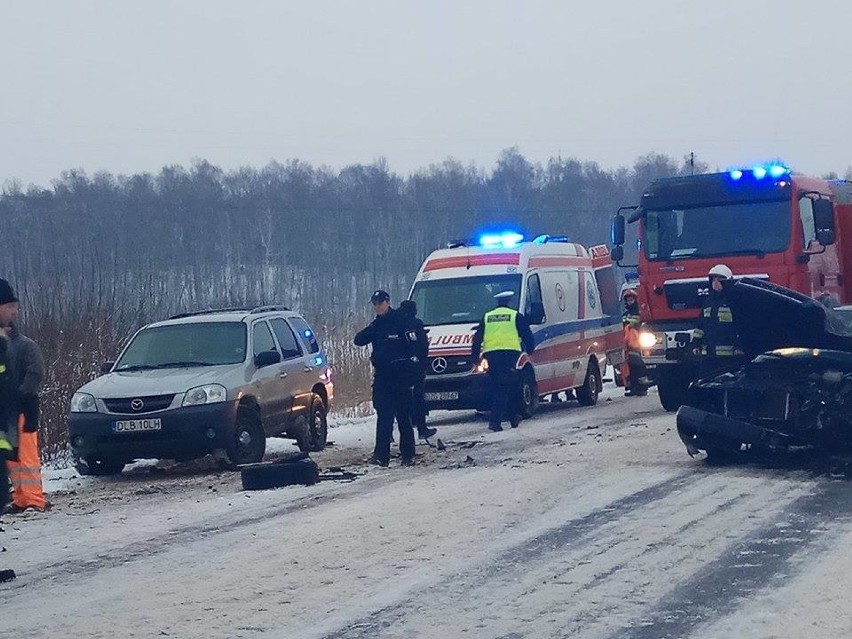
point(700, 430)
point(185, 433)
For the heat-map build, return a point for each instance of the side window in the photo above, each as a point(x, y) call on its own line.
point(306, 333)
point(533, 292)
point(286, 339)
point(262, 338)
point(806, 212)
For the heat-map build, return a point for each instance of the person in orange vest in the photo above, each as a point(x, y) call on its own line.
point(634, 376)
point(27, 369)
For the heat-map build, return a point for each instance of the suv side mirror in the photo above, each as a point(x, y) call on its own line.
point(106, 367)
point(536, 313)
point(618, 231)
point(824, 221)
point(267, 358)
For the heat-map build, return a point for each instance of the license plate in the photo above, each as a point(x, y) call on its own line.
point(137, 425)
point(441, 397)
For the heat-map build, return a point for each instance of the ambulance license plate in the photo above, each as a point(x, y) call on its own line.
point(137, 425)
point(441, 397)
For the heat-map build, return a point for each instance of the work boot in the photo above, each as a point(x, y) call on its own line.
point(407, 461)
point(375, 461)
point(495, 427)
point(515, 421)
point(426, 432)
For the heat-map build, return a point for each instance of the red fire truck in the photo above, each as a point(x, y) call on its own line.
point(763, 222)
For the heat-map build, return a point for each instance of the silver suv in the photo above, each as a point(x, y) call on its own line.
point(209, 382)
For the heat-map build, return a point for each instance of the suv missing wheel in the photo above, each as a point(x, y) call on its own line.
point(216, 382)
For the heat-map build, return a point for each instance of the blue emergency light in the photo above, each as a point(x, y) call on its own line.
point(507, 239)
point(774, 170)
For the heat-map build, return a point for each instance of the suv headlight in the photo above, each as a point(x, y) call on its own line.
point(83, 403)
point(208, 394)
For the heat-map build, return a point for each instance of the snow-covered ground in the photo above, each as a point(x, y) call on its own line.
point(584, 522)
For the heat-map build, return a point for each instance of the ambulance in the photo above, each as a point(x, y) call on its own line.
point(568, 293)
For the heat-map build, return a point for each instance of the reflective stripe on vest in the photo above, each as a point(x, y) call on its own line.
point(501, 333)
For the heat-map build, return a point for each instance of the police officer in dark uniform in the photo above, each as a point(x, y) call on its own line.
point(396, 341)
point(500, 337)
point(418, 393)
point(716, 336)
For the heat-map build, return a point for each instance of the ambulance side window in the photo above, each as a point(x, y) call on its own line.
point(533, 293)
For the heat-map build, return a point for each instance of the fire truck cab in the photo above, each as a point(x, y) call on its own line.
point(763, 222)
point(568, 293)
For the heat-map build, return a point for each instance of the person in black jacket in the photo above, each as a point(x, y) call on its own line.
point(8, 432)
point(418, 393)
point(394, 339)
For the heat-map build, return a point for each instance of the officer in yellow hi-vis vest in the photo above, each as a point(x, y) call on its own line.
point(500, 338)
point(717, 333)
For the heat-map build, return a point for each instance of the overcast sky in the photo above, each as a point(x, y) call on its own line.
point(132, 86)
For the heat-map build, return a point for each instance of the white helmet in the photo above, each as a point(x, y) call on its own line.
point(721, 271)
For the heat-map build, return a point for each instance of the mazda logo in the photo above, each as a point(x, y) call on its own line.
point(137, 404)
point(439, 364)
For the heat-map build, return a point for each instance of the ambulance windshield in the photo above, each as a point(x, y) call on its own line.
point(462, 300)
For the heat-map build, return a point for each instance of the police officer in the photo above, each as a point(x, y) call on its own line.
point(395, 341)
point(716, 336)
point(500, 337)
point(418, 393)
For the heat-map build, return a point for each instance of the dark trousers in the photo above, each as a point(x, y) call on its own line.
point(502, 384)
point(4, 485)
point(392, 400)
point(418, 404)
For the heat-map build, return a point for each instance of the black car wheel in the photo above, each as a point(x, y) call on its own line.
point(247, 443)
point(588, 393)
point(99, 467)
point(277, 474)
point(529, 394)
point(318, 423)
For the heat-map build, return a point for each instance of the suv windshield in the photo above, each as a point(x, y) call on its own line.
point(462, 300)
point(729, 229)
point(192, 344)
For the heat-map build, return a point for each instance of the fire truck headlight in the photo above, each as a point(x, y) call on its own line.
point(649, 340)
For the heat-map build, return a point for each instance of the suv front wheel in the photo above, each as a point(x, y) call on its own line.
point(247, 443)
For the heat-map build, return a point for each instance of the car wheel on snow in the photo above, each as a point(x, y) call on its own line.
point(279, 473)
point(99, 467)
point(588, 393)
point(247, 443)
point(318, 423)
point(529, 394)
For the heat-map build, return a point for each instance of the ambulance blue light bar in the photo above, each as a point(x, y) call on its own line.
point(508, 239)
point(760, 171)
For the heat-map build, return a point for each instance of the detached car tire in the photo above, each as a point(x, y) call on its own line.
point(279, 474)
point(99, 467)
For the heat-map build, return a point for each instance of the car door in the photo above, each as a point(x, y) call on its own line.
point(294, 370)
point(268, 381)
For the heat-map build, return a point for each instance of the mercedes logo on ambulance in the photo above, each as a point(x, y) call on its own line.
point(439, 364)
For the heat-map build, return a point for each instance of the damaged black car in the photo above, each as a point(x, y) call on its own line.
point(795, 392)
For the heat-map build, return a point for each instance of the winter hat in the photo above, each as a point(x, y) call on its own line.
point(7, 295)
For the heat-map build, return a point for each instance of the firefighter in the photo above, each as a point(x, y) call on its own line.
point(395, 342)
point(418, 393)
point(633, 369)
point(500, 338)
point(716, 338)
point(27, 367)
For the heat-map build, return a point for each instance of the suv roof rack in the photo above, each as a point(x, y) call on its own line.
point(239, 309)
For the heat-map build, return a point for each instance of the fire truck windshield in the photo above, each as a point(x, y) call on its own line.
point(728, 229)
point(462, 300)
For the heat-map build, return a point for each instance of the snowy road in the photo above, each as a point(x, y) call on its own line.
point(582, 523)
